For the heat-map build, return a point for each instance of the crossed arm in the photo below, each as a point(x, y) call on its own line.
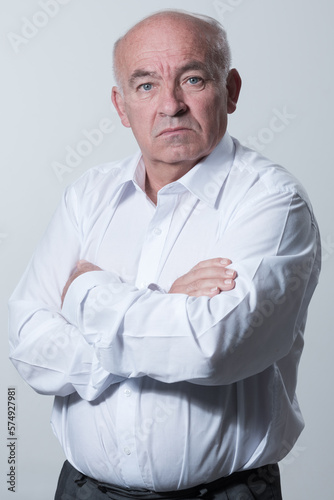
point(207, 279)
point(107, 328)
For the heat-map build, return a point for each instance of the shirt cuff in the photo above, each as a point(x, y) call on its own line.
point(80, 287)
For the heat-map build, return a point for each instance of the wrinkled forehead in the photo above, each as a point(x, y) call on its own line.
point(165, 28)
point(159, 39)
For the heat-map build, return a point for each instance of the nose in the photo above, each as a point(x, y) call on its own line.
point(172, 102)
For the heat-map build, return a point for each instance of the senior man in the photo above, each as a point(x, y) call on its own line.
point(166, 304)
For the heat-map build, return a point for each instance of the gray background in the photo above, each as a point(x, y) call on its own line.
point(56, 84)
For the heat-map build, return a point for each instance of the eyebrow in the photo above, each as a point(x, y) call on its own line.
point(141, 73)
point(195, 65)
point(189, 66)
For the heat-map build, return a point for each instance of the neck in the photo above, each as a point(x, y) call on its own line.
point(158, 176)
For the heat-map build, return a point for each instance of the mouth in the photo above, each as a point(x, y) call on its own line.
point(173, 131)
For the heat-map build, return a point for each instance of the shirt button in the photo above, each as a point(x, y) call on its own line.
point(157, 231)
point(127, 451)
point(127, 393)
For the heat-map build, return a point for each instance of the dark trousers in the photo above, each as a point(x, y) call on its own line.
point(258, 484)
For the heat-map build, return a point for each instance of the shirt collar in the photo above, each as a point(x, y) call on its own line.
point(204, 180)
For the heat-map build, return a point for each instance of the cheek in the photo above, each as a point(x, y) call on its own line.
point(218, 113)
point(141, 124)
point(140, 116)
point(207, 106)
point(211, 116)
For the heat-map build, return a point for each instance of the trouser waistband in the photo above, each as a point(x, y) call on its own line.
point(258, 479)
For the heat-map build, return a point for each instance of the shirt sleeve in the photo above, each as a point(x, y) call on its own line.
point(273, 242)
point(48, 352)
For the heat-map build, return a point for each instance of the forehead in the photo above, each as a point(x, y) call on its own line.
point(162, 42)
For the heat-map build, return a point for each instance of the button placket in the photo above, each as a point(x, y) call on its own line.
point(126, 431)
point(155, 241)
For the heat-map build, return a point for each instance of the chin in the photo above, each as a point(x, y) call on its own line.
point(184, 154)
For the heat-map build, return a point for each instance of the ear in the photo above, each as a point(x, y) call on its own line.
point(233, 86)
point(119, 103)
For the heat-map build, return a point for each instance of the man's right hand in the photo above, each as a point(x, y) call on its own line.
point(208, 278)
point(82, 267)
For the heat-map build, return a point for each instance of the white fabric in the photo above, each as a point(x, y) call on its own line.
point(165, 391)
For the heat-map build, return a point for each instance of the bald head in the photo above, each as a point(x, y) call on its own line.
point(209, 33)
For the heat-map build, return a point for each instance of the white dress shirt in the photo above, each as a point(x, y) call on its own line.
point(165, 391)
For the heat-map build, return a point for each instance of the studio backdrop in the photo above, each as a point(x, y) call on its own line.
point(57, 121)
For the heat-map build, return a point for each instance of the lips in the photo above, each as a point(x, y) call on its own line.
point(173, 130)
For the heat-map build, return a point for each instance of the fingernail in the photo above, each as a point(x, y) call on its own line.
point(228, 282)
point(224, 262)
point(229, 272)
point(214, 289)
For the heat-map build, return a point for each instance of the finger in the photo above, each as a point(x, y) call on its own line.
point(208, 286)
point(211, 292)
point(204, 278)
point(218, 261)
point(205, 293)
point(62, 298)
point(223, 285)
point(82, 264)
point(212, 272)
point(228, 284)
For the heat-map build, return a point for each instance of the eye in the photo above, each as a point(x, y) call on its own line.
point(194, 80)
point(146, 87)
